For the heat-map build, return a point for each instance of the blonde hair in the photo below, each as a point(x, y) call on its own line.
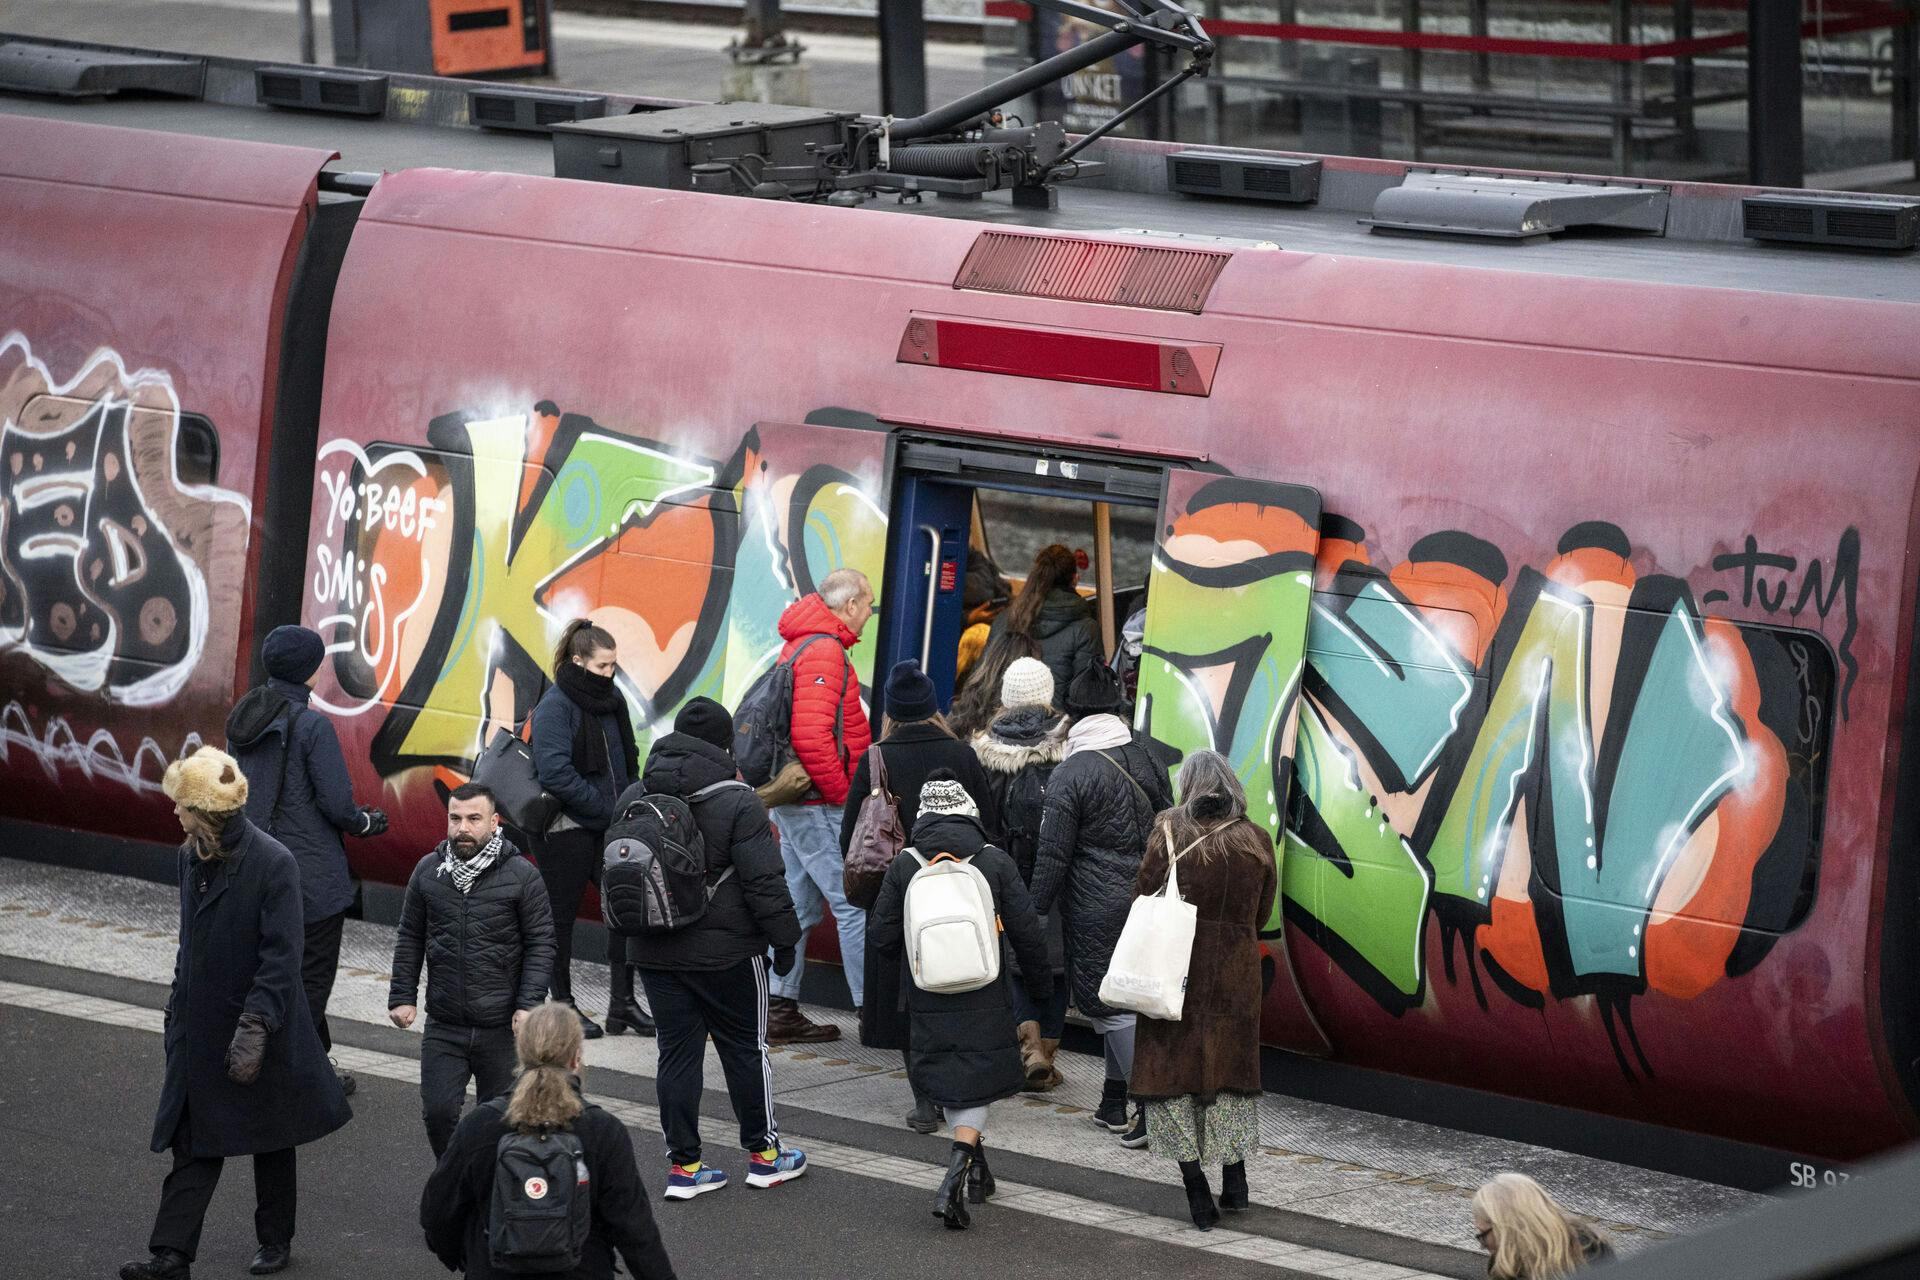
point(888, 724)
point(548, 1044)
point(1533, 1237)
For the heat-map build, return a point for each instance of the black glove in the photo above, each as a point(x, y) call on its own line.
point(371, 821)
point(248, 1050)
point(782, 961)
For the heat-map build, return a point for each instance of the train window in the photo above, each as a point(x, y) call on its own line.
point(196, 450)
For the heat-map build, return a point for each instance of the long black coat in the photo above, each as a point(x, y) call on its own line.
point(240, 943)
point(489, 951)
point(964, 1051)
point(1093, 834)
point(751, 909)
point(912, 752)
point(297, 788)
point(1019, 751)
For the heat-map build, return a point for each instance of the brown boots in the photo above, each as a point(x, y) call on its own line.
point(1036, 1057)
point(787, 1025)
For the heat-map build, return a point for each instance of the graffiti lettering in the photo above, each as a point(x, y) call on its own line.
point(1817, 587)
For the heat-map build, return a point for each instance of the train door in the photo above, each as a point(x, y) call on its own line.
point(1222, 661)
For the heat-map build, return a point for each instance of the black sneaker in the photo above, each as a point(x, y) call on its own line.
point(347, 1083)
point(1136, 1137)
point(165, 1264)
point(1112, 1112)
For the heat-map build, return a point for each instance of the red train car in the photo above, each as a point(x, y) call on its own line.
point(1556, 602)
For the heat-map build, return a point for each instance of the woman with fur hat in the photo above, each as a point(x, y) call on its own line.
point(302, 797)
point(1200, 1077)
point(252, 1083)
point(1019, 750)
point(964, 1054)
point(915, 741)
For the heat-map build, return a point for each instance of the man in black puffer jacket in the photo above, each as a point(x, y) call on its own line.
point(477, 913)
point(710, 977)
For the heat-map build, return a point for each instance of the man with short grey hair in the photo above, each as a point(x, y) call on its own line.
point(829, 735)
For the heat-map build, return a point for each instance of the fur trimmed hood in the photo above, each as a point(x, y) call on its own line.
point(1018, 738)
point(209, 780)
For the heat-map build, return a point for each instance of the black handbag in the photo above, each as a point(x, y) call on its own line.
point(506, 769)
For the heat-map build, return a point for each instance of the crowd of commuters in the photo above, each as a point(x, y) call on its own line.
point(1049, 807)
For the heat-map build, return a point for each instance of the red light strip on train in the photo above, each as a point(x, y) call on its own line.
point(1061, 355)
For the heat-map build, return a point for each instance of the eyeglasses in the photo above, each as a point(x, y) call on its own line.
point(1481, 1234)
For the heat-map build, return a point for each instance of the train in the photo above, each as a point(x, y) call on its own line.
point(1554, 595)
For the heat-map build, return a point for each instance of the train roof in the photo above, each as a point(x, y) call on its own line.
point(1698, 240)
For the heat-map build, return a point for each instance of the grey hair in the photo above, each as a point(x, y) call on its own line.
point(841, 586)
point(1210, 790)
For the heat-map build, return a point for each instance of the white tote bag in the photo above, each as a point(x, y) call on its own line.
point(1148, 974)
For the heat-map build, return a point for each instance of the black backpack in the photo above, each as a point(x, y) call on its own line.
point(763, 722)
point(542, 1206)
point(653, 877)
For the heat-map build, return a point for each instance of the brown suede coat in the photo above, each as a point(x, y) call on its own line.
point(1215, 1047)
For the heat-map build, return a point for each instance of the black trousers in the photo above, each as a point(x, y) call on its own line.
point(731, 1005)
point(449, 1057)
point(569, 862)
point(188, 1190)
point(319, 962)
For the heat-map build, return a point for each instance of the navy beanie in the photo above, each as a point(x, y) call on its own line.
point(707, 720)
point(910, 693)
point(293, 653)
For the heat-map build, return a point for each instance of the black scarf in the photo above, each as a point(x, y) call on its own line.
point(596, 696)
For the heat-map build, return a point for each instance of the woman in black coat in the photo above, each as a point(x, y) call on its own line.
point(585, 754)
point(915, 741)
point(245, 1071)
point(457, 1202)
point(1048, 620)
point(965, 1055)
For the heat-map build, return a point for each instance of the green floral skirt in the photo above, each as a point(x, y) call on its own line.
point(1223, 1131)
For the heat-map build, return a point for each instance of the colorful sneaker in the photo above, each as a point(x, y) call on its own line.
point(775, 1165)
point(684, 1182)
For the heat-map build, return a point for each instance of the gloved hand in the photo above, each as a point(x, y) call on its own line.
point(372, 821)
point(782, 961)
point(248, 1050)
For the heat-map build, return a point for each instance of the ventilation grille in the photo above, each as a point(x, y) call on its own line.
point(531, 110)
point(1248, 177)
point(1836, 220)
point(488, 109)
point(333, 94)
point(279, 89)
point(1091, 271)
point(346, 92)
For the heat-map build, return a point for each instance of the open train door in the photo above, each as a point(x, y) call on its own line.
point(1223, 656)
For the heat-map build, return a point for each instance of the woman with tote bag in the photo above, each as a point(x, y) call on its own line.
point(1200, 1077)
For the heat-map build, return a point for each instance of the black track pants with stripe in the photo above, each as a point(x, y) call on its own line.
point(731, 1005)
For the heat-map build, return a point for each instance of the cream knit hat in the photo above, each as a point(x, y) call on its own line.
point(1027, 683)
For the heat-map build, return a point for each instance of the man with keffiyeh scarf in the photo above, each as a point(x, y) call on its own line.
point(477, 913)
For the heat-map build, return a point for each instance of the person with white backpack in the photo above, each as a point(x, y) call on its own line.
point(952, 904)
point(1199, 1075)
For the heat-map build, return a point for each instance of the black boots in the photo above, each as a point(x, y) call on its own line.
point(1233, 1187)
point(980, 1184)
point(165, 1264)
point(623, 1011)
point(270, 1259)
point(1199, 1195)
point(926, 1115)
point(950, 1201)
point(1113, 1107)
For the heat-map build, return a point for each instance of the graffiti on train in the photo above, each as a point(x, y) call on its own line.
point(1591, 786)
point(107, 551)
point(441, 576)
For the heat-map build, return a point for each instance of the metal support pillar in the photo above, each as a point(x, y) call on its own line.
point(1622, 89)
point(1776, 140)
point(1477, 28)
point(307, 53)
point(1683, 79)
point(1416, 121)
point(763, 65)
point(1906, 86)
point(903, 57)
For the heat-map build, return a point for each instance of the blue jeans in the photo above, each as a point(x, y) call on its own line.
point(810, 846)
point(1052, 1016)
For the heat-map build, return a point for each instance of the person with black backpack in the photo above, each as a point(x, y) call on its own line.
point(542, 1181)
point(702, 951)
point(301, 796)
point(477, 914)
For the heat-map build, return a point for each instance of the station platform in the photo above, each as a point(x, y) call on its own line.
point(1338, 1192)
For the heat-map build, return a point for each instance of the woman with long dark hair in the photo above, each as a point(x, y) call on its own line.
point(1199, 1078)
point(1048, 620)
point(584, 752)
point(915, 741)
point(547, 1098)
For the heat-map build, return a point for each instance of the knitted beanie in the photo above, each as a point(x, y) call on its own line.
point(1027, 683)
point(942, 793)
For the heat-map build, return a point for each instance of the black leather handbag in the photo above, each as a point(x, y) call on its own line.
point(506, 769)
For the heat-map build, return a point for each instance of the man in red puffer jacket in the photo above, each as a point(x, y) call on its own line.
point(825, 691)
